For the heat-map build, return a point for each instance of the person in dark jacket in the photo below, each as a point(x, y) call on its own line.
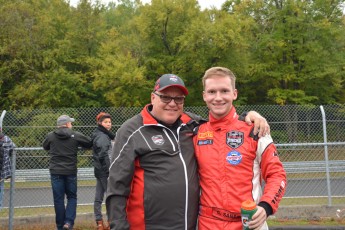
point(63, 144)
point(102, 139)
point(153, 179)
point(6, 150)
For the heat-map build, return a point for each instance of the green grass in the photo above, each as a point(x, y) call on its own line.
point(42, 184)
point(82, 224)
point(90, 224)
point(311, 201)
point(89, 208)
point(303, 222)
point(41, 211)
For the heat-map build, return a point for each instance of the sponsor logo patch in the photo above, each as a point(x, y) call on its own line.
point(205, 135)
point(173, 78)
point(234, 157)
point(158, 139)
point(205, 142)
point(205, 138)
point(234, 139)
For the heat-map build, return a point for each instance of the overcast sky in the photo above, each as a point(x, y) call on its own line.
point(203, 3)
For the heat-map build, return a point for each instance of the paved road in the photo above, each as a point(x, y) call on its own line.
point(315, 187)
point(43, 196)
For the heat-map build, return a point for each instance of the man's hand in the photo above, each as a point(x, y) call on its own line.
point(260, 124)
point(258, 219)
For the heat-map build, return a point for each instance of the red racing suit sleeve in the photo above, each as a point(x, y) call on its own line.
point(272, 172)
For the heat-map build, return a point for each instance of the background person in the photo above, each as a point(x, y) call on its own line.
point(102, 147)
point(232, 161)
point(6, 150)
point(62, 145)
point(153, 181)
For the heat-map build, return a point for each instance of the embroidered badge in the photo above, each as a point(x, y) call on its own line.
point(234, 157)
point(173, 78)
point(205, 142)
point(234, 139)
point(158, 139)
point(275, 154)
point(205, 138)
point(208, 134)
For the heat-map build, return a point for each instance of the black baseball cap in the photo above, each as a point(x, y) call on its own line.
point(169, 80)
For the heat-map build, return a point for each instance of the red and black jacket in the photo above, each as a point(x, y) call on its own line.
point(153, 180)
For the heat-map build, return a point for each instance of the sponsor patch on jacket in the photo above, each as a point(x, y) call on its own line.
point(234, 139)
point(158, 139)
point(275, 154)
point(205, 138)
point(205, 142)
point(205, 135)
point(234, 157)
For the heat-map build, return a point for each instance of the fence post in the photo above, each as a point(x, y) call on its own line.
point(326, 155)
point(2, 118)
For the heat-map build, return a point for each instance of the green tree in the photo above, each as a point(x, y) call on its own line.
point(53, 43)
point(91, 55)
point(293, 48)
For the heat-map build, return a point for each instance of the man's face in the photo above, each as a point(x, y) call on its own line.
point(219, 95)
point(167, 112)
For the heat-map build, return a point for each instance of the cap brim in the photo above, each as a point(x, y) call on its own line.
point(184, 89)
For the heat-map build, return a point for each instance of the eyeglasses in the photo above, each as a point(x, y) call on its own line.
point(167, 99)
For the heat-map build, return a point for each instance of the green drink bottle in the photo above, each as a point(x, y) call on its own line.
point(248, 208)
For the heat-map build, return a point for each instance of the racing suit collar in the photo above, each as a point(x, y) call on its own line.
point(221, 123)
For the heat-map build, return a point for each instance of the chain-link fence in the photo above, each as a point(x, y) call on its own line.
point(312, 148)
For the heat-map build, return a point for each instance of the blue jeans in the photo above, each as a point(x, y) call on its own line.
point(61, 185)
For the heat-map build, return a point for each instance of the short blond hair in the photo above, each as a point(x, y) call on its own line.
point(219, 71)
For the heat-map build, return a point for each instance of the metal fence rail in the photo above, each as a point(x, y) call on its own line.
point(338, 166)
point(29, 175)
point(314, 167)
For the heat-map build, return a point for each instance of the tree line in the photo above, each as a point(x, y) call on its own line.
point(54, 55)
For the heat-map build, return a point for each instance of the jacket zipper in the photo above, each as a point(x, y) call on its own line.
point(185, 171)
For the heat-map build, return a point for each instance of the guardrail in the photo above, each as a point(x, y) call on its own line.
point(39, 175)
point(314, 166)
point(34, 175)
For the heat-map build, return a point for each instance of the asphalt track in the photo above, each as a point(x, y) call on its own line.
point(42, 196)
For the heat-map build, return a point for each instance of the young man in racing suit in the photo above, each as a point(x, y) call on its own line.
point(153, 180)
point(232, 161)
